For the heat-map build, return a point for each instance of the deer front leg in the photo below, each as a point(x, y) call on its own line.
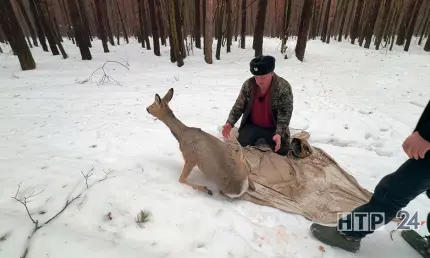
point(188, 166)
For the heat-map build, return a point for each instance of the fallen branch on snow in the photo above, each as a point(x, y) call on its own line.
point(36, 223)
point(105, 78)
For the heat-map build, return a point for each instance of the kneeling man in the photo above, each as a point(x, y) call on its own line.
point(266, 103)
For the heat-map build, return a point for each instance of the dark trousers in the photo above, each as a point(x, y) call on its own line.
point(251, 134)
point(393, 193)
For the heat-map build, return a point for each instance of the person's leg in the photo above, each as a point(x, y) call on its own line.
point(248, 134)
point(267, 134)
point(392, 193)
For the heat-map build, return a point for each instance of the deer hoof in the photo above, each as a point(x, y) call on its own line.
point(208, 191)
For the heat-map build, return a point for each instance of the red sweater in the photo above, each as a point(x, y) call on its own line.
point(261, 112)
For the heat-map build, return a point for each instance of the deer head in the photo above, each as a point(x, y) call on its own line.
point(160, 107)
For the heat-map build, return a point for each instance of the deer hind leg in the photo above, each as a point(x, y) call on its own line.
point(188, 166)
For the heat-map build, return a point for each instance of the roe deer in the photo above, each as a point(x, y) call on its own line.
point(221, 163)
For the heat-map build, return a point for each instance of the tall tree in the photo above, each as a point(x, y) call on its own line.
point(28, 22)
point(370, 25)
point(325, 25)
point(155, 36)
point(344, 13)
point(50, 30)
point(305, 21)
point(286, 26)
point(410, 31)
point(14, 34)
point(38, 25)
point(384, 21)
point(219, 25)
point(101, 10)
point(427, 45)
point(356, 21)
point(229, 25)
point(122, 21)
point(197, 23)
point(259, 27)
point(79, 30)
point(425, 27)
point(208, 32)
point(243, 25)
point(405, 21)
point(175, 52)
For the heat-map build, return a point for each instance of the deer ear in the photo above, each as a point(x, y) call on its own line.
point(169, 95)
point(157, 99)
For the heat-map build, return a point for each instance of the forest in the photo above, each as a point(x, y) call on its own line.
point(186, 24)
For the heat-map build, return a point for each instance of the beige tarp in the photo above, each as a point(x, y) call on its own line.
point(307, 182)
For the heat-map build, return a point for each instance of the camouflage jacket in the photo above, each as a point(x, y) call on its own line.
point(281, 99)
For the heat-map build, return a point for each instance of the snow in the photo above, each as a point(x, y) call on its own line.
point(358, 105)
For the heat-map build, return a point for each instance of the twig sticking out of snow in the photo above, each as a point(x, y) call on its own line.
point(105, 76)
point(36, 223)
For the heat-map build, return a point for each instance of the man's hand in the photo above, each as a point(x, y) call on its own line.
point(415, 146)
point(277, 139)
point(226, 130)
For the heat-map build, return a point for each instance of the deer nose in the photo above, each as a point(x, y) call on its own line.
point(147, 110)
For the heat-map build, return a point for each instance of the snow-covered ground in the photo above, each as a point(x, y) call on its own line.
point(358, 105)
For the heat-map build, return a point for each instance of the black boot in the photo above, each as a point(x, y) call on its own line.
point(331, 236)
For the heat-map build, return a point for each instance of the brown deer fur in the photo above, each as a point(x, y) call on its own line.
point(220, 162)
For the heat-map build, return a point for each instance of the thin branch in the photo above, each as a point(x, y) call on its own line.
point(105, 76)
point(37, 226)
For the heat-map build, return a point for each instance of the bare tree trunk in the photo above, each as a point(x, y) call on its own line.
point(219, 24)
point(425, 27)
point(38, 25)
point(122, 21)
point(404, 26)
point(50, 31)
point(427, 45)
point(371, 23)
point(155, 36)
point(394, 25)
point(9, 24)
point(69, 27)
point(143, 18)
point(302, 37)
point(174, 40)
point(44, 19)
point(108, 25)
point(259, 27)
point(229, 25)
point(325, 32)
point(384, 21)
point(79, 30)
point(243, 25)
point(286, 22)
point(418, 4)
point(27, 20)
point(101, 10)
point(344, 12)
point(355, 23)
point(208, 31)
point(160, 19)
point(179, 28)
point(197, 21)
point(84, 18)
